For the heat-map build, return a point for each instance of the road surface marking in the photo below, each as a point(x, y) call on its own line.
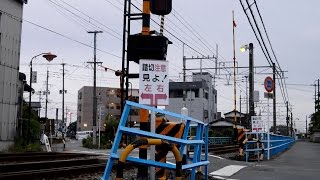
point(222, 178)
point(227, 171)
point(211, 155)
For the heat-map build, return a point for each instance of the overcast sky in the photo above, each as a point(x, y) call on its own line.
point(292, 27)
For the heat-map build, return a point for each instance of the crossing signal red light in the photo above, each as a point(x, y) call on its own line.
point(160, 7)
point(118, 73)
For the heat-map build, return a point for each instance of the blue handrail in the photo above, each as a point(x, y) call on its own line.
point(277, 143)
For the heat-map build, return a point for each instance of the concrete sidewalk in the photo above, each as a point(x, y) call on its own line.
point(301, 161)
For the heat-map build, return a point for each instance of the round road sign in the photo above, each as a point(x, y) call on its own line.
point(268, 84)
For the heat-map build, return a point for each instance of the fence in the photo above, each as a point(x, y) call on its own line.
point(276, 145)
point(201, 138)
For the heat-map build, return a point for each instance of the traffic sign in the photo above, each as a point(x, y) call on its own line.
point(154, 82)
point(268, 95)
point(268, 84)
point(257, 123)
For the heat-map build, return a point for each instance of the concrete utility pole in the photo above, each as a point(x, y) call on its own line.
point(291, 124)
point(274, 99)
point(63, 91)
point(318, 95)
point(306, 127)
point(315, 98)
point(94, 115)
point(251, 84)
point(287, 118)
point(46, 110)
point(184, 76)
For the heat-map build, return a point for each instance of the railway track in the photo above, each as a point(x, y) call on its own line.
point(38, 156)
point(51, 169)
point(223, 149)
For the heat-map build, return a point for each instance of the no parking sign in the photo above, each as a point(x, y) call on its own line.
point(268, 84)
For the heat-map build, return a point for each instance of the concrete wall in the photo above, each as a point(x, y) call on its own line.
point(10, 42)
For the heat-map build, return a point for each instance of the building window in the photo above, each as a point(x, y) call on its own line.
point(134, 112)
point(118, 106)
point(196, 93)
point(176, 94)
point(80, 95)
point(79, 119)
point(79, 107)
point(206, 95)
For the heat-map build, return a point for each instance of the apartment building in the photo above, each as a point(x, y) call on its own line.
point(108, 102)
point(200, 100)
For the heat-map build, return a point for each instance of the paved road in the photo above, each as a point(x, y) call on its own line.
point(301, 162)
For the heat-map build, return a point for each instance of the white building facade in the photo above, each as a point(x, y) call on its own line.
point(200, 100)
point(10, 42)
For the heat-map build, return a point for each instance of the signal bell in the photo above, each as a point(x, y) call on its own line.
point(161, 7)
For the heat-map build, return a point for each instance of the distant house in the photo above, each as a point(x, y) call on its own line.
point(241, 118)
point(223, 127)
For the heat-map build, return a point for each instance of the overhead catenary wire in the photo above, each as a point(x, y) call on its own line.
point(282, 85)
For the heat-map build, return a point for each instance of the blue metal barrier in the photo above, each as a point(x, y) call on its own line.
point(218, 140)
point(278, 144)
point(196, 160)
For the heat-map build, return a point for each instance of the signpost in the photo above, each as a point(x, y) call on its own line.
point(153, 91)
point(257, 124)
point(269, 86)
point(154, 83)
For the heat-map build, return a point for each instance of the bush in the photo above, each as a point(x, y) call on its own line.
point(88, 143)
point(104, 144)
point(21, 146)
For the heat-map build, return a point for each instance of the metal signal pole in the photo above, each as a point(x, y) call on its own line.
point(274, 99)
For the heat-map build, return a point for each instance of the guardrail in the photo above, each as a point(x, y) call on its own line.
point(275, 146)
point(201, 138)
point(217, 140)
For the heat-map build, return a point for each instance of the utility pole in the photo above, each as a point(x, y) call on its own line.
point(318, 95)
point(274, 99)
point(94, 115)
point(46, 111)
point(40, 97)
point(57, 121)
point(306, 127)
point(251, 84)
point(46, 108)
point(240, 110)
point(63, 91)
point(184, 76)
point(291, 124)
point(315, 98)
point(287, 118)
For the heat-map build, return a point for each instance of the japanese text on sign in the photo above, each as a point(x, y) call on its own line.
point(153, 82)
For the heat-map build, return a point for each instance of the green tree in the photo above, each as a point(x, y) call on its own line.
point(111, 125)
point(72, 129)
point(34, 124)
point(281, 129)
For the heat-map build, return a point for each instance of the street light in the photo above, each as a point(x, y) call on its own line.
point(49, 57)
point(251, 80)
